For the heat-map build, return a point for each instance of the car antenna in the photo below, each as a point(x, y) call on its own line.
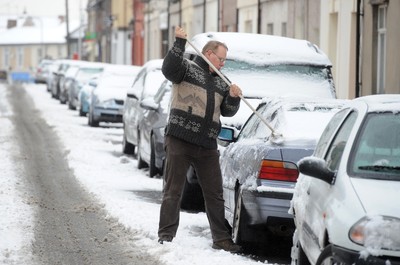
point(275, 136)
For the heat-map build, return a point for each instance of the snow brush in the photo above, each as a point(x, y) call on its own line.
point(276, 137)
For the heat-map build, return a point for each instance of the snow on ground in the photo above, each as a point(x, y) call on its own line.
point(96, 158)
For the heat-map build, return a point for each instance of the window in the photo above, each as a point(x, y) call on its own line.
point(329, 131)
point(381, 49)
point(6, 58)
point(20, 57)
point(335, 151)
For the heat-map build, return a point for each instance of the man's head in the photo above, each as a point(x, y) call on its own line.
point(215, 51)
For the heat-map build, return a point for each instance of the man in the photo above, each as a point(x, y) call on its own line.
point(199, 97)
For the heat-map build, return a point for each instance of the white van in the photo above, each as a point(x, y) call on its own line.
point(265, 65)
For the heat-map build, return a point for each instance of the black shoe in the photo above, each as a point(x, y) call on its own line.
point(163, 239)
point(227, 245)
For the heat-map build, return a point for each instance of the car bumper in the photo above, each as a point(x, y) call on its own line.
point(265, 207)
point(108, 115)
point(348, 256)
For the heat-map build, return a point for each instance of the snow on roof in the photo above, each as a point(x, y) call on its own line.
point(263, 49)
point(41, 30)
point(383, 102)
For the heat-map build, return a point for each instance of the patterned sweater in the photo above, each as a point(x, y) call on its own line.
point(198, 98)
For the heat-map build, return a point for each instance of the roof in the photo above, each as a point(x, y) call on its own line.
point(263, 49)
point(382, 102)
point(46, 30)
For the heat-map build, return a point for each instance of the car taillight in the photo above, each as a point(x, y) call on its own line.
point(278, 170)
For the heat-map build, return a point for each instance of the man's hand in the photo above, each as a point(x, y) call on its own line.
point(180, 33)
point(235, 91)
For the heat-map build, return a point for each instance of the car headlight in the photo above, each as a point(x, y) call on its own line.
point(377, 233)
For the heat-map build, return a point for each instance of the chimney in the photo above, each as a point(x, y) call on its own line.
point(11, 23)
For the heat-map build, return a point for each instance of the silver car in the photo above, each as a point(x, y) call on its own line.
point(259, 169)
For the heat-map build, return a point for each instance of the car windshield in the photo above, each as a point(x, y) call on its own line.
point(294, 121)
point(268, 80)
point(377, 150)
point(84, 74)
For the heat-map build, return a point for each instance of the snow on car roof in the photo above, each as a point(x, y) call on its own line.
point(263, 49)
point(383, 102)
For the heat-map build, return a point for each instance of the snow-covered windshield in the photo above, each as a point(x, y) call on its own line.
point(377, 150)
point(84, 74)
point(259, 81)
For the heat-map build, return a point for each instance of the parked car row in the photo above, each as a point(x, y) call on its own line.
point(338, 147)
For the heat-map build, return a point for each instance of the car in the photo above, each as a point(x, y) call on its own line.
point(84, 95)
point(42, 71)
point(345, 203)
point(58, 77)
point(275, 66)
point(107, 100)
point(259, 166)
point(151, 129)
point(69, 77)
point(84, 73)
point(145, 85)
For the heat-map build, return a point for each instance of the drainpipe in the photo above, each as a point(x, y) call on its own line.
point(259, 16)
point(204, 15)
point(358, 44)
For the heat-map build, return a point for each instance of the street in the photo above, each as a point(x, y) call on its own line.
point(90, 204)
point(70, 226)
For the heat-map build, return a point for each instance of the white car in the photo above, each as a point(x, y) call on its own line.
point(346, 200)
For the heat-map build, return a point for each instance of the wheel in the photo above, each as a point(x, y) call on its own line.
point(153, 169)
point(81, 113)
point(127, 147)
point(297, 254)
point(92, 122)
point(238, 218)
point(72, 107)
point(141, 163)
point(326, 257)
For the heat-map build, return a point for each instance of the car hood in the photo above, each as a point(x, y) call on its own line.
point(106, 93)
point(378, 196)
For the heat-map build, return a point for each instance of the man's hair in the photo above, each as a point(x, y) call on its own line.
point(213, 46)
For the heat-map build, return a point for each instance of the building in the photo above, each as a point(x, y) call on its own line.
point(28, 39)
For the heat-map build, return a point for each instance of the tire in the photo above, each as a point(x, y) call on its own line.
point(127, 147)
point(153, 169)
point(192, 197)
point(326, 257)
point(92, 122)
point(141, 163)
point(238, 218)
point(81, 113)
point(72, 107)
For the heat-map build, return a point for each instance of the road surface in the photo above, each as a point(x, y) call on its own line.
point(70, 226)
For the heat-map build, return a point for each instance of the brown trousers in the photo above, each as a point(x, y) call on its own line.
point(180, 155)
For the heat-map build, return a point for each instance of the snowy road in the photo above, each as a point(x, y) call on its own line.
point(70, 226)
point(69, 196)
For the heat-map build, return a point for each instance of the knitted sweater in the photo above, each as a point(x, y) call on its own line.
point(198, 98)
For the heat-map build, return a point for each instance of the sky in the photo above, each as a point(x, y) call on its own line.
point(43, 7)
point(95, 155)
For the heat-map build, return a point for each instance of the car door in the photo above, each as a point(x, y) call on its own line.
point(320, 193)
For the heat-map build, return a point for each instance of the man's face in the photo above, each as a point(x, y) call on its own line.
point(217, 57)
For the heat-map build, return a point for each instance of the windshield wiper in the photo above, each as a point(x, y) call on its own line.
point(379, 168)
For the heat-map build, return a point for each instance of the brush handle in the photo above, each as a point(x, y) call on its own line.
point(229, 84)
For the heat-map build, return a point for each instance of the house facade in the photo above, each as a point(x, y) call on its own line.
point(359, 36)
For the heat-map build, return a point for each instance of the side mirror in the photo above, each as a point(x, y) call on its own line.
point(226, 136)
point(317, 168)
point(149, 104)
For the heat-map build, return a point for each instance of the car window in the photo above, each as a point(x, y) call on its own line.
point(138, 84)
point(254, 128)
point(153, 81)
point(377, 150)
point(328, 133)
point(335, 150)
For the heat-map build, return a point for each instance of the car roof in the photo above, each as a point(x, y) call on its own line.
point(382, 102)
point(263, 49)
